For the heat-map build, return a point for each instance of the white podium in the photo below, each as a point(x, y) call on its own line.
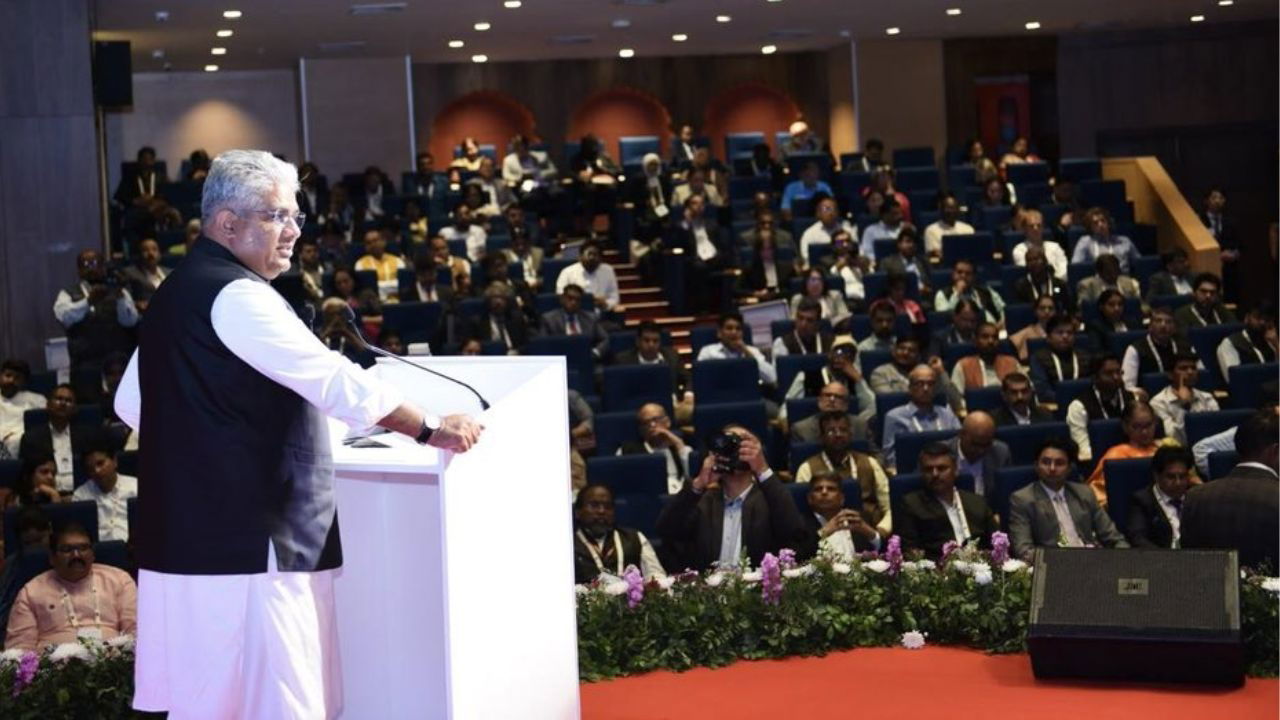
point(455, 598)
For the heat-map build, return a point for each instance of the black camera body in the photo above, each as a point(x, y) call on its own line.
point(724, 448)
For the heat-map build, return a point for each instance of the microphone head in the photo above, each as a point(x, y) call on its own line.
point(307, 313)
point(348, 314)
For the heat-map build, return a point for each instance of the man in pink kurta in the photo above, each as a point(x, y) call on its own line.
point(74, 599)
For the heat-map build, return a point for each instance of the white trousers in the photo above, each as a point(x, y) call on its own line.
point(238, 647)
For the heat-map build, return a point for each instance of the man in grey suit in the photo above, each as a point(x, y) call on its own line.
point(978, 453)
point(571, 319)
point(834, 397)
point(1052, 512)
point(1240, 510)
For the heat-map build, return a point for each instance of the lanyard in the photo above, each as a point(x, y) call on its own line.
point(1254, 347)
point(147, 189)
point(1057, 365)
point(1203, 322)
point(595, 555)
point(964, 521)
point(1106, 415)
point(817, 341)
point(937, 423)
point(1156, 354)
point(74, 619)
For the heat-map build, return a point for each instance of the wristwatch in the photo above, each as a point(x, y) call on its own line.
point(430, 424)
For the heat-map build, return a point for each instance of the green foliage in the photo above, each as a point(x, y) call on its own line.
point(99, 689)
point(1259, 620)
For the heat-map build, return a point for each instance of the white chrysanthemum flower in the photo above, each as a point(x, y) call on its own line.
point(802, 571)
point(752, 577)
point(961, 566)
point(919, 565)
point(70, 651)
point(124, 641)
point(982, 576)
point(618, 587)
point(1271, 584)
point(715, 579)
point(581, 590)
point(666, 582)
point(1013, 565)
point(876, 565)
point(840, 568)
point(913, 639)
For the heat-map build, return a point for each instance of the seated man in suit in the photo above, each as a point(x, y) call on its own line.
point(1174, 279)
point(571, 319)
point(1058, 360)
point(653, 430)
point(1156, 510)
point(501, 321)
point(649, 350)
point(834, 397)
point(842, 367)
point(842, 532)
point(732, 345)
point(426, 289)
point(1240, 510)
point(600, 546)
point(838, 457)
point(988, 367)
point(1019, 403)
point(1105, 399)
point(750, 513)
point(1106, 276)
point(940, 512)
point(919, 414)
point(1040, 281)
point(59, 438)
point(706, 251)
point(1052, 512)
point(1256, 343)
point(1206, 307)
point(892, 376)
point(966, 285)
point(962, 330)
point(978, 453)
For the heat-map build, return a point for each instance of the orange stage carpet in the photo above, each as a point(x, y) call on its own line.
point(888, 683)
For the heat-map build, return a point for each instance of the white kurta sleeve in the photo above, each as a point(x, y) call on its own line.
point(68, 311)
point(256, 324)
point(128, 395)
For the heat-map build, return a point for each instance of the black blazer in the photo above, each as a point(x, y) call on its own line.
point(1148, 527)
point(754, 279)
point(922, 522)
point(38, 441)
point(554, 323)
point(679, 376)
point(1241, 511)
point(679, 236)
point(770, 522)
point(481, 329)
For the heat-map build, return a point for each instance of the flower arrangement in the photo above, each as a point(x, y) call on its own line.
point(81, 679)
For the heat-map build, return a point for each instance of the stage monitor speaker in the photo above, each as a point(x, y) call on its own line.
point(112, 74)
point(1145, 615)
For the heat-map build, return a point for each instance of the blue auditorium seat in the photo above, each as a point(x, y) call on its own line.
point(630, 474)
point(741, 142)
point(627, 387)
point(10, 471)
point(993, 219)
point(1079, 169)
point(791, 365)
point(1221, 462)
point(726, 381)
point(800, 408)
point(633, 148)
point(987, 399)
point(978, 247)
point(84, 512)
point(640, 511)
point(1109, 194)
point(551, 268)
point(86, 414)
point(1246, 381)
point(907, 447)
point(1123, 479)
point(1122, 340)
point(1008, 481)
point(415, 321)
point(869, 360)
point(1022, 173)
point(876, 286)
point(114, 553)
point(1018, 316)
point(960, 178)
point(614, 429)
point(709, 418)
point(1069, 390)
point(577, 351)
point(914, 157)
point(795, 164)
point(799, 452)
point(621, 341)
point(1104, 435)
point(1035, 194)
point(923, 177)
point(1203, 424)
point(1173, 302)
point(1024, 440)
point(1205, 340)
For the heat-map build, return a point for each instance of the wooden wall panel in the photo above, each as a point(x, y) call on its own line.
point(358, 115)
point(966, 59)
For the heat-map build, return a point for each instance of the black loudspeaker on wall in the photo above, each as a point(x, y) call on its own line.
point(1146, 615)
point(112, 74)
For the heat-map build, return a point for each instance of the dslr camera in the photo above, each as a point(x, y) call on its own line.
point(724, 448)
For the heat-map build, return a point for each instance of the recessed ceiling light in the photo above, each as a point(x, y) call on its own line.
point(775, 1)
point(456, 43)
point(769, 49)
point(1197, 18)
point(953, 11)
point(231, 15)
point(479, 58)
point(482, 26)
point(1033, 25)
point(512, 4)
point(225, 33)
point(679, 37)
point(620, 24)
point(723, 18)
point(1226, 3)
point(626, 53)
point(892, 31)
point(211, 68)
point(217, 51)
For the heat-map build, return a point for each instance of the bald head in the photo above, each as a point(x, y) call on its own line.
point(921, 383)
point(977, 434)
point(834, 396)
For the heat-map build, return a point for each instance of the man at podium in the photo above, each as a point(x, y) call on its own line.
point(237, 532)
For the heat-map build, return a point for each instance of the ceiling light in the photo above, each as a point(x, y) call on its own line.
point(230, 15)
point(217, 51)
point(679, 37)
point(892, 31)
point(774, 1)
point(620, 24)
point(1197, 18)
point(953, 11)
point(225, 33)
point(1226, 3)
point(456, 44)
point(626, 53)
point(482, 26)
point(769, 49)
point(479, 58)
point(211, 68)
point(723, 18)
point(1033, 25)
point(512, 4)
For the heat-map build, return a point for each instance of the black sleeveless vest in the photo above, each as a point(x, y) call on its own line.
point(1248, 350)
point(99, 334)
point(584, 566)
point(1149, 362)
point(822, 343)
point(229, 459)
point(1098, 411)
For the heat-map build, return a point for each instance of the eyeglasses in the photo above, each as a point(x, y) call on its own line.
point(654, 420)
point(281, 217)
point(68, 549)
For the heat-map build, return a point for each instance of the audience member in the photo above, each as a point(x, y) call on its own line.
point(1018, 403)
point(1206, 307)
point(706, 250)
point(872, 158)
point(1044, 308)
point(1174, 279)
point(750, 514)
point(896, 296)
point(883, 318)
point(1110, 320)
point(962, 330)
point(766, 218)
point(1223, 230)
point(1180, 397)
point(146, 274)
point(385, 265)
point(530, 174)
point(1101, 241)
point(594, 276)
point(830, 302)
point(848, 266)
point(1240, 511)
point(1031, 224)
point(762, 165)
point(1058, 360)
point(653, 430)
point(1104, 399)
point(375, 189)
point(467, 157)
point(919, 414)
point(949, 223)
point(466, 229)
point(807, 187)
point(838, 457)
point(834, 397)
point(571, 319)
point(842, 532)
point(1154, 353)
point(732, 345)
point(1155, 511)
point(649, 350)
point(76, 599)
point(110, 490)
point(1019, 153)
point(769, 276)
point(940, 512)
point(1052, 512)
point(986, 368)
point(25, 561)
point(891, 377)
point(823, 230)
point(1140, 425)
point(842, 367)
point(977, 452)
point(98, 313)
point(648, 192)
point(1106, 277)
point(714, 172)
point(37, 482)
point(501, 321)
point(802, 141)
point(808, 336)
point(431, 185)
point(601, 546)
point(684, 147)
point(965, 285)
point(426, 275)
point(696, 184)
point(138, 192)
point(887, 227)
point(995, 194)
point(15, 401)
point(983, 169)
point(1256, 343)
point(907, 260)
point(1040, 281)
point(60, 438)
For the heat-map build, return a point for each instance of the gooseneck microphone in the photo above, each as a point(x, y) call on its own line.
point(349, 315)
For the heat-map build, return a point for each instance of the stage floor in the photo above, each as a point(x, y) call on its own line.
point(886, 683)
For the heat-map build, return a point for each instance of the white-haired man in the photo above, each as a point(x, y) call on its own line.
point(236, 534)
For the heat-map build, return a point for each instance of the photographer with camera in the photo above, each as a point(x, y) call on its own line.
point(735, 505)
point(98, 313)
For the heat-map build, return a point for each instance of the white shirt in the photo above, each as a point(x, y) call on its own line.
point(853, 287)
point(818, 234)
point(11, 413)
point(878, 231)
point(474, 235)
point(1174, 416)
point(955, 513)
point(602, 284)
point(1229, 356)
point(706, 249)
point(1170, 514)
point(71, 312)
point(64, 458)
point(934, 232)
point(1053, 254)
point(1219, 442)
point(717, 351)
point(113, 507)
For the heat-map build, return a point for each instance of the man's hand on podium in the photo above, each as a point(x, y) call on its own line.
point(457, 433)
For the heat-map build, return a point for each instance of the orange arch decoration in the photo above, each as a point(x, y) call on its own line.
point(490, 117)
point(748, 108)
point(619, 112)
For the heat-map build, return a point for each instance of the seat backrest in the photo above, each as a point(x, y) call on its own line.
point(732, 380)
point(1104, 435)
point(84, 512)
point(1024, 440)
point(1124, 478)
point(1069, 390)
point(907, 447)
point(612, 429)
point(1008, 481)
point(1246, 381)
point(627, 387)
point(985, 398)
point(630, 474)
point(914, 157)
point(709, 418)
point(575, 348)
point(791, 365)
point(978, 247)
point(1203, 424)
